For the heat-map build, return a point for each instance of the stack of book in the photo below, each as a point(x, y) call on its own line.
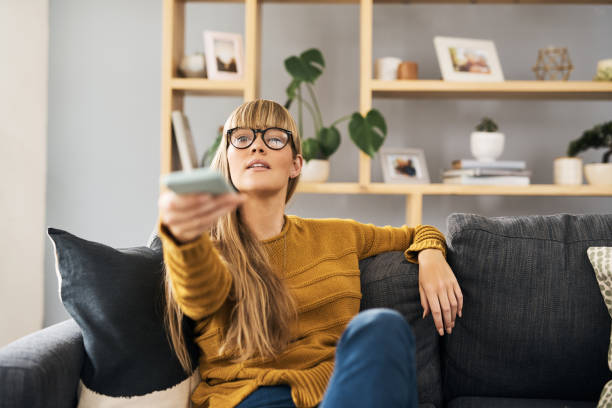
point(502, 172)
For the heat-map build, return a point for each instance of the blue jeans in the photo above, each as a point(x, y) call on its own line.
point(375, 366)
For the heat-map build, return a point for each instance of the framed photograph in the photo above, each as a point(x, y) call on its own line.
point(224, 57)
point(404, 166)
point(467, 60)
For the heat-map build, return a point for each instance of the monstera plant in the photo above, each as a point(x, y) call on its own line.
point(367, 132)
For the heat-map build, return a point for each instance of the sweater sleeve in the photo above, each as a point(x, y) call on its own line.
point(373, 240)
point(200, 279)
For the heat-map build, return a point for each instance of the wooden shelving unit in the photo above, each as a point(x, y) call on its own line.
point(174, 90)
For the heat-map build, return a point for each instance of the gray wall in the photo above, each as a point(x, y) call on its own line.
point(104, 104)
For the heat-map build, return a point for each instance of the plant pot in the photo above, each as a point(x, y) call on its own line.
point(487, 146)
point(315, 171)
point(598, 174)
point(568, 170)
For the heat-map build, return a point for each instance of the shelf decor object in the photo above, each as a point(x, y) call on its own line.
point(567, 170)
point(604, 70)
point(224, 59)
point(404, 166)
point(486, 143)
point(553, 63)
point(597, 137)
point(468, 60)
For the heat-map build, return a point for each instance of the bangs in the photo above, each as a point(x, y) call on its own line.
point(261, 114)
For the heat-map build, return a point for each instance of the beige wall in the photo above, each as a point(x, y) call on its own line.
point(23, 141)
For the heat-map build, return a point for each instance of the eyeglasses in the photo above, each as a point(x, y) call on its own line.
point(274, 137)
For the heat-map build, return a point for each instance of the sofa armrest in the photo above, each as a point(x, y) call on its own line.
point(42, 369)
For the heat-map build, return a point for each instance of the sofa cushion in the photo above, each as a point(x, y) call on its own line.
point(534, 324)
point(482, 402)
point(116, 298)
point(388, 280)
point(601, 260)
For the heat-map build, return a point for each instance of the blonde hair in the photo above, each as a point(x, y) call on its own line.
point(263, 311)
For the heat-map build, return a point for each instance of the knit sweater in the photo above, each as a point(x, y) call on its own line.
point(321, 257)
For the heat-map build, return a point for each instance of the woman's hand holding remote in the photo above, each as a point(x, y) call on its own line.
point(188, 216)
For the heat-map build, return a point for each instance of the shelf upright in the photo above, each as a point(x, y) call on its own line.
point(175, 88)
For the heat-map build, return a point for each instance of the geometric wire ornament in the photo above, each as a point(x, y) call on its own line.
point(553, 61)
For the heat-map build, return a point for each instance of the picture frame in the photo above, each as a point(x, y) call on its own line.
point(468, 60)
point(224, 55)
point(404, 165)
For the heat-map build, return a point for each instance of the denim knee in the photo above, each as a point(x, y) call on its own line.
point(381, 322)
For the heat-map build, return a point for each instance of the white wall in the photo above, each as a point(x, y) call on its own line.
point(23, 164)
point(104, 105)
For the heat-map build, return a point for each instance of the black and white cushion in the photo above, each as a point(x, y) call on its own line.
point(116, 298)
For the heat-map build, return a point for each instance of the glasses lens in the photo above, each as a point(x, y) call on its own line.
point(241, 137)
point(275, 138)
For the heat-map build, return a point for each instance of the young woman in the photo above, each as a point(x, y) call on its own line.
point(276, 297)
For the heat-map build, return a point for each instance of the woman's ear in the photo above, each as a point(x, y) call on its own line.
point(296, 167)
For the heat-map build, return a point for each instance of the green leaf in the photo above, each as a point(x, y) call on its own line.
point(210, 153)
point(329, 140)
point(307, 67)
point(310, 149)
point(368, 133)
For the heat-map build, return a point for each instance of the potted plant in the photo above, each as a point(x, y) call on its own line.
point(486, 143)
point(596, 137)
point(367, 132)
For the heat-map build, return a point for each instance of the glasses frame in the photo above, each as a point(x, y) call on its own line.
point(262, 131)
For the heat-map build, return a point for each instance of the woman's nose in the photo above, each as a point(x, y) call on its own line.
point(258, 144)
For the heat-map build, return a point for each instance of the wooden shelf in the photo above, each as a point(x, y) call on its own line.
point(174, 89)
point(417, 1)
point(209, 87)
point(506, 89)
point(451, 189)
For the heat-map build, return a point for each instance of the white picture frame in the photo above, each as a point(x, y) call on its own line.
point(224, 55)
point(468, 60)
point(414, 171)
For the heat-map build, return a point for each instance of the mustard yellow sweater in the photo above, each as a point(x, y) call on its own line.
point(322, 274)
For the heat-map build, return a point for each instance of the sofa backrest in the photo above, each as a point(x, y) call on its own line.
point(534, 323)
point(388, 280)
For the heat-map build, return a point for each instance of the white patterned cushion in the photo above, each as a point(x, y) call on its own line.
point(601, 259)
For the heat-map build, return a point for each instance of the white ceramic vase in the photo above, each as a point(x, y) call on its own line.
point(315, 171)
point(193, 66)
point(568, 170)
point(598, 174)
point(487, 146)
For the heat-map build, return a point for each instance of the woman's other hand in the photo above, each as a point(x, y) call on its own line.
point(188, 216)
point(439, 290)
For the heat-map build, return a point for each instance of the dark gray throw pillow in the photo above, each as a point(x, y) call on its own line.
point(534, 324)
point(116, 298)
point(389, 280)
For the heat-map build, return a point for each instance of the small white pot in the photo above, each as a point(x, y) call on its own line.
point(193, 66)
point(487, 146)
point(568, 170)
point(315, 171)
point(598, 174)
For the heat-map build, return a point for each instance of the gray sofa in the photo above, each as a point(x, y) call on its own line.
point(534, 333)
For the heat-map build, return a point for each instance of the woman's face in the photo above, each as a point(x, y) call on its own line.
point(260, 169)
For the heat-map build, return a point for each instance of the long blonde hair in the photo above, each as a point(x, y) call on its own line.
point(263, 311)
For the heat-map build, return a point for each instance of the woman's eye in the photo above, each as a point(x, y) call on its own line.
point(241, 139)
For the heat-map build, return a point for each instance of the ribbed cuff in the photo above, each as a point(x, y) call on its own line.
point(425, 237)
